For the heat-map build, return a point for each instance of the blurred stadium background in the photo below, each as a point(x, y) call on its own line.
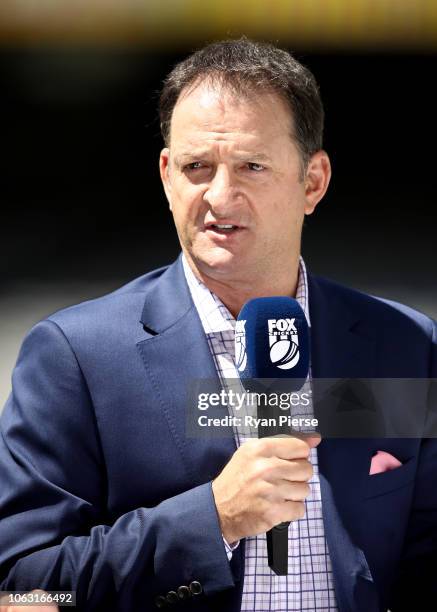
point(82, 206)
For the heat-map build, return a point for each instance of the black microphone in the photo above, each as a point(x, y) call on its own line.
point(272, 342)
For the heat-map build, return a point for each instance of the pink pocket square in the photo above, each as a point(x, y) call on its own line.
point(383, 462)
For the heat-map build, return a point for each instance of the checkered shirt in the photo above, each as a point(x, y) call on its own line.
point(309, 583)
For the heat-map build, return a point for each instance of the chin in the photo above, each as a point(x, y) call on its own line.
point(219, 263)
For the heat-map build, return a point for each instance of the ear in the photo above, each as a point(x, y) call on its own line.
point(317, 177)
point(164, 163)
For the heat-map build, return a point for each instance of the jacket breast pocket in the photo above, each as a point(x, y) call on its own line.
point(385, 482)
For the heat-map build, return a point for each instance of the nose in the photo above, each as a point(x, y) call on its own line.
point(221, 193)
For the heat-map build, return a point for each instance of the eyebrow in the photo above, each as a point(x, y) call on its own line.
point(255, 157)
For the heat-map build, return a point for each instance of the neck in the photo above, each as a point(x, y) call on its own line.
point(234, 292)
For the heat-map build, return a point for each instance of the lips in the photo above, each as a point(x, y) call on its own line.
point(223, 228)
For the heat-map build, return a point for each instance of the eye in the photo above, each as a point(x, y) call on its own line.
point(255, 167)
point(194, 166)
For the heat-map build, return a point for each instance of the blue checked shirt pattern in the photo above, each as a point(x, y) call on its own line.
point(309, 583)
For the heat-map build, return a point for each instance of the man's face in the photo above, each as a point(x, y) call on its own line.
point(233, 178)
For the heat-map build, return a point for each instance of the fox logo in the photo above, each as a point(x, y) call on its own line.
point(240, 345)
point(284, 343)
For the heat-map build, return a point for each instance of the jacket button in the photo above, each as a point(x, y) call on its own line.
point(184, 592)
point(160, 601)
point(195, 587)
point(172, 597)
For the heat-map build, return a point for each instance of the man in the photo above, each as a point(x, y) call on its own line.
point(102, 491)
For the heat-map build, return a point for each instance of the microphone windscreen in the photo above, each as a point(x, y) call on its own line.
point(272, 339)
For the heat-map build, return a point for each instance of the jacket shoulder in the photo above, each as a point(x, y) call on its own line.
point(125, 300)
point(375, 309)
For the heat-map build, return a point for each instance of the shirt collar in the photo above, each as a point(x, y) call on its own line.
point(214, 315)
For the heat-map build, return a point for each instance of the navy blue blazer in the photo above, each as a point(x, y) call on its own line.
point(102, 492)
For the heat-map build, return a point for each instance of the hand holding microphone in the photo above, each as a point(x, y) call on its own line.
point(264, 485)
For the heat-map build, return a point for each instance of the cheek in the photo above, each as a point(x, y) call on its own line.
point(285, 218)
point(186, 196)
point(187, 207)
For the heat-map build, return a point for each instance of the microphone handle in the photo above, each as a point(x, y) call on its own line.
point(277, 537)
point(277, 549)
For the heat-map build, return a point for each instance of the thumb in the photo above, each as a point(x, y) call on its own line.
point(312, 439)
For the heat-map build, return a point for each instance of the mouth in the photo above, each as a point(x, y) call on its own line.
point(223, 228)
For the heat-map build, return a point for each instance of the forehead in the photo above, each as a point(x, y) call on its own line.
point(213, 110)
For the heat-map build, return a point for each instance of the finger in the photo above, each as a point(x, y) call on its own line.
point(312, 438)
point(296, 491)
point(285, 447)
point(291, 511)
point(293, 470)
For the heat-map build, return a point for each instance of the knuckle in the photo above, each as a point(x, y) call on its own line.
point(262, 490)
point(300, 509)
point(304, 470)
point(264, 446)
point(310, 470)
point(271, 467)
point(300, 492)
point(301, 447)
point(306, 489)
point(259, 468)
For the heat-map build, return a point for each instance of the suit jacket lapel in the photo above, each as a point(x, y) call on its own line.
point(176, 355)
point(341, 347)
point(341, 344)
